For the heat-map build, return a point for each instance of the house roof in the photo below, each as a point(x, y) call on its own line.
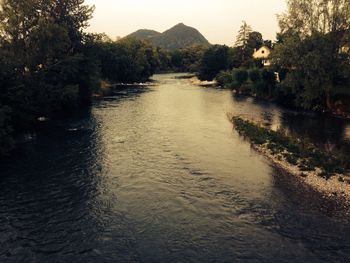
point(260, 53)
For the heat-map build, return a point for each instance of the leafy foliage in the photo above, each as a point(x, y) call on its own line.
point(128, 60)
point(187, 59)
point(247, 41)
point(225, 78)
point(49, 66)
point(309, 46)
point(241, 76)
point(214, 60)
point(243, 35)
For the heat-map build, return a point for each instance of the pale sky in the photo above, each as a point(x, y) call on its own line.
point(217, 20)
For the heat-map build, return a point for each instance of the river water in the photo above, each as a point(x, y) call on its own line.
point(158, 174)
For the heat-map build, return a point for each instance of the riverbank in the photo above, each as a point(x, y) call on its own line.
point(195, 81)
point(325, 172)
point(127, 181)
point(265, 84)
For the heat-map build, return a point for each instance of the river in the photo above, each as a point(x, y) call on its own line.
point(157, 174)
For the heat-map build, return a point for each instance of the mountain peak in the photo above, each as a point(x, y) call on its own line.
point(144, 34)
point(177, 37)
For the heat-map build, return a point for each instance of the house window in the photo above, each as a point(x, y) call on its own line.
point(263, 51)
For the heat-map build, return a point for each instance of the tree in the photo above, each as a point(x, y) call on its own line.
point(255, 41)
point(243, 38)
point(234, 57)
point(164, 60)
point(316, 16)
point(213, 61)
point(268, 43)
point(312, 35)
point(254, 76)
point(128, 60)
point(43, 68)
point(224, 78)
point(269, 81)
point(243, 35)
point(42, 32)
point(241, 76)
point(17, 21)
point(73, 14)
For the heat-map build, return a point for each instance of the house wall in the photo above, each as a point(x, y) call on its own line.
point(262, 52)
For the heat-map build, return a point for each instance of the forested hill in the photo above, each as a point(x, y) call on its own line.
point(179, 36)
point(145, 34)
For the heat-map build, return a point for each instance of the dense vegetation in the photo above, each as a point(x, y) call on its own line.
point(180, 60)
point(49, 66)
point(313, 52)
point(125, 61)
point(298, 152)
point(219, 58)
point(310, 62)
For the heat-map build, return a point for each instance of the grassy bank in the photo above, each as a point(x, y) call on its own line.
point(296, 152)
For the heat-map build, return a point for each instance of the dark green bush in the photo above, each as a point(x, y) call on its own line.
point(254, 75)
point(224, 78)
point(241, 76)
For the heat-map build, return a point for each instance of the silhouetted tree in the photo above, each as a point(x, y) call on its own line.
point(214, 60)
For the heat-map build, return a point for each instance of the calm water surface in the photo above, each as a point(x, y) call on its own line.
point(158, 175)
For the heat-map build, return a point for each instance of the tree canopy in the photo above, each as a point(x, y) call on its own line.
point(50, 67)
point(309, 46)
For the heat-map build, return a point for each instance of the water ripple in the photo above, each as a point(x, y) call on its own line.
point(157, 175)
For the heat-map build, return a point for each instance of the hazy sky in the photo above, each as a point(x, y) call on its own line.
point(217, 20)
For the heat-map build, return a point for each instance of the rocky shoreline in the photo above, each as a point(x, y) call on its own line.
point(198, 82)
point(292, 156)
point(338, 186)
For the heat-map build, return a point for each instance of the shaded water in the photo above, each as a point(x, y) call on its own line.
point(158, 175)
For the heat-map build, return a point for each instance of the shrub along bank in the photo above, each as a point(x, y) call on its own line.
point(301, 153)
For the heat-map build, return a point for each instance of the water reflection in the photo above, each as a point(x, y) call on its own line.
point(320, 129)
point(157, 175)
point(49, 194)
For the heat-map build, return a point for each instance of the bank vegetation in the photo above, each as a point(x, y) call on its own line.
point(324, 170)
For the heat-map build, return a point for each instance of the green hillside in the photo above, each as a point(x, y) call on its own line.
point(145, 34)
point(179, 36)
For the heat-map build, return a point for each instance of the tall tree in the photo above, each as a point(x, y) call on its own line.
point(316, 16)
point(73, 14)
point(312, 34)
point(243, 35)
point(243, 38)
point(17, 21)
point(41, 44)
point(36, 31)
point(255, 40)
point(213, 61)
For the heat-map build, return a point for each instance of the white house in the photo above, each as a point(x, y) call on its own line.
point(263, 53)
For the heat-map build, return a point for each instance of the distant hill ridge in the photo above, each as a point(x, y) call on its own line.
point(179, 36)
